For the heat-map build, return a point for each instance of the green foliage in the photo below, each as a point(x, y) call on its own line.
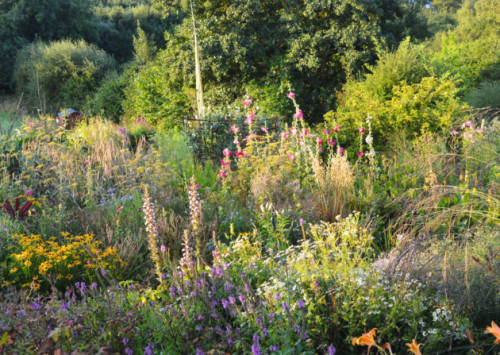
point(60, 74)
point(117, 26)
point(312, 45)
point(144, 49)
point(158, 95)
point(109, 98)
point(400, 96)
point(486, 94)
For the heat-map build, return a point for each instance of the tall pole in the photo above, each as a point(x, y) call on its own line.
point(199, 87)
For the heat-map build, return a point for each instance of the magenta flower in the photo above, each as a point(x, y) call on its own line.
point(327, 132)
point(290, 156)
point(235, 129)
point(119, 209)
point(336, 128)
point(341, 150)
point(306, 131)
point(331, 142)
point(361, 130)
point(299, 114)
point(319, 141)
point(293, 131)
point(222, 174)
point(290, 95)
point(247, 102)
point(264, 129)
point(360, 154)
point(226, 152)
point(300, 304)
point(163, 249)
point(29, 192)
point(283, 135)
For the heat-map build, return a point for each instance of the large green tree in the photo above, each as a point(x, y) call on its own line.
point(312, 45)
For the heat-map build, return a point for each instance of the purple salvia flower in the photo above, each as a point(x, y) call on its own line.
point(331, 350)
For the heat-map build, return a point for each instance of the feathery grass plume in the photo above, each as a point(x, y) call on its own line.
point(334, 187)
point(152, 231)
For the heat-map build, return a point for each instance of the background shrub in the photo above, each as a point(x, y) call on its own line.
point(60, 74)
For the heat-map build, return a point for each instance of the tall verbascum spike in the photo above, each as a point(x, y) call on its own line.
point(152, 231)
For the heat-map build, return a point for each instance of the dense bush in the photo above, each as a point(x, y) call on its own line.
point(109, 98)
point(400, 96)
point(60, 74)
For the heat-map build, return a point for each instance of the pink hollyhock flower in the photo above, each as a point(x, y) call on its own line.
point(319, 141)
point(290, 156)
point(264, 129)
point(301, 143)
point(235, 129)
point(299, 114)
point(331, 142)
point(336, 128)
point(197, 186)
point(361, 130)
point(321, 150)
point(290, 95)
point(247, 102)
point(29, 192)
point(360, 154)
point(240, 154)
point(226, 152)
point(341, 150)
point(222, 174)
point(325, 131)
point(306, 132)
point(163, 249)
point(293, 131)
point(225, 163)
point(283, 135)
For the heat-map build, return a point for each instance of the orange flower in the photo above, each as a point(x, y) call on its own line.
point(495, 330)
point(414, 347)
point(366, 339)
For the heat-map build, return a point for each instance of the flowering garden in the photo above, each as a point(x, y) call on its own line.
point(293, 241)
point(341, 196)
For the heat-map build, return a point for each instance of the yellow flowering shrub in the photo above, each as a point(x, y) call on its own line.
point(41, 264)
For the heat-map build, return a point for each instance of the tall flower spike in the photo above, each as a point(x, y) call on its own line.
point(187, 258)
point(152, 231)
point(195, 213)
